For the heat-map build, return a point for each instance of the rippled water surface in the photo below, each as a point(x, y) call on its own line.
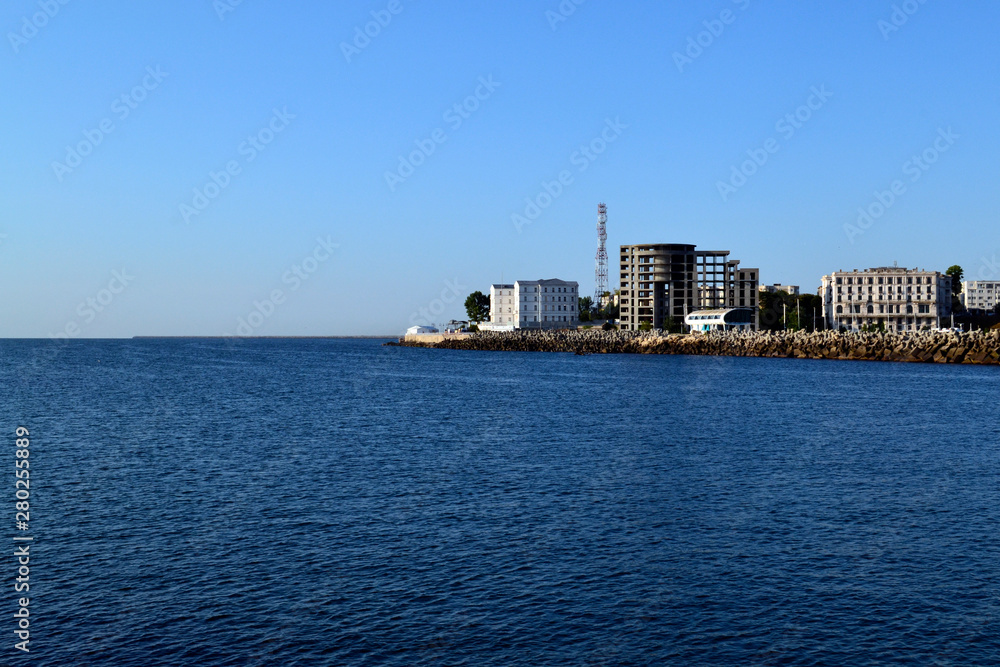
point(324, 502)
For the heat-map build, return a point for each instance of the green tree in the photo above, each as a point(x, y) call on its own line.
point(645, 325)
point(956, 273)
point(477, 307)
point(811, 306)
point(778, 310)
point(586, 303)
point(611, 311)
point(773, 307)
point(671, 325)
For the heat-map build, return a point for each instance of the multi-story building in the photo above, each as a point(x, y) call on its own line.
point(502, 305)
point(660, 281)
point(983, 294)
point(535, 304)
point(791, 290)
point(896, 298)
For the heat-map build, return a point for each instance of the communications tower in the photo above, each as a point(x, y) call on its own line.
point(601, 273)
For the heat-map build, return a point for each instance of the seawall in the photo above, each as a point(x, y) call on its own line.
point(927, 347)
point(425, 340)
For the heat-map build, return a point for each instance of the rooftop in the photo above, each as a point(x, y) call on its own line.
point(547, 281)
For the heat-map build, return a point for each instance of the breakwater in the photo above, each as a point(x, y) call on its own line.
point(925, 346)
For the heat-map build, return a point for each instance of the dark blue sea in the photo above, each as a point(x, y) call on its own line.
point(337, 502)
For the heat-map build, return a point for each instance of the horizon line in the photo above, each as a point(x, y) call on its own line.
point(64, 340)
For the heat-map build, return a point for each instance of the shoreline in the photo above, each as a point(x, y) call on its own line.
point(261, 337)
point(974, 348)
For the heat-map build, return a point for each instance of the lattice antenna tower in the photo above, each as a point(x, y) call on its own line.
point(601, 272)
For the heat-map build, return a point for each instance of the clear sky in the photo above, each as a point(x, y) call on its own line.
point(234, 157)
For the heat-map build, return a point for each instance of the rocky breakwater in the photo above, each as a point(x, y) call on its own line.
point(926, 346)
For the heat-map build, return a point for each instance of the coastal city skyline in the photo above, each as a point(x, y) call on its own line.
point(179, 183)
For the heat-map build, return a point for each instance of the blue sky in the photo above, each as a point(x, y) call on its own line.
point(309, 129)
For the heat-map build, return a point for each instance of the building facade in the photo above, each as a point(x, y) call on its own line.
point(895, 298)
point(609, 299)
point(791, 290)
point(535, 304)
point(671, 280)
point(983, 294)
point(502, 305)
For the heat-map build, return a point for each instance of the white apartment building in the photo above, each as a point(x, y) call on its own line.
point(791, 290)
point(535, 304)
point(897, 298)
point(983, 294)
point(502, 308)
